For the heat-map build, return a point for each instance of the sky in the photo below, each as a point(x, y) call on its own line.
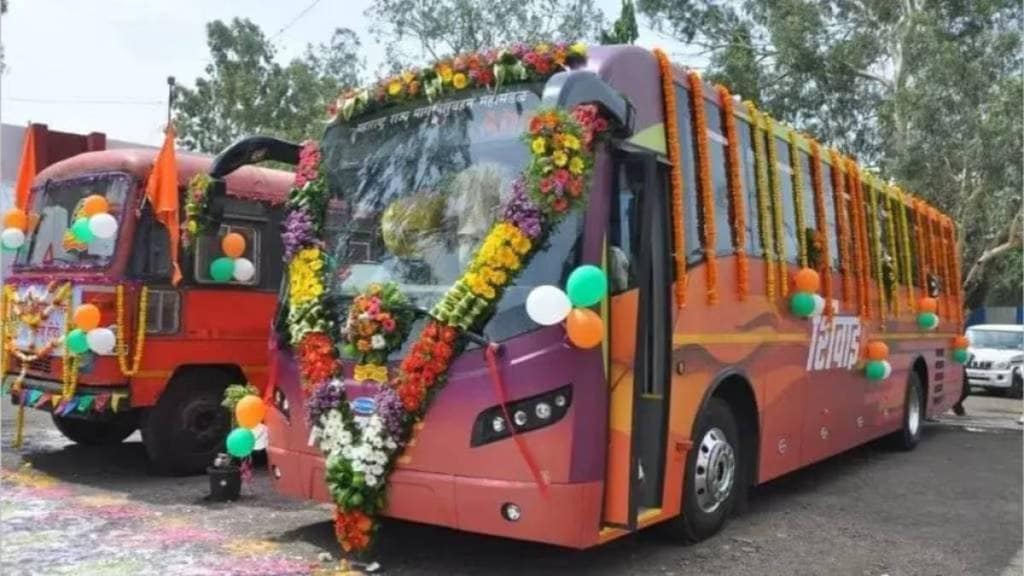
point(102, 65)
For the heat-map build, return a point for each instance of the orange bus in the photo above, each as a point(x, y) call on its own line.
point(177, 347)
point(770, 303)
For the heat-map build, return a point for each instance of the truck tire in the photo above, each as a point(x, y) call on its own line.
point(98, 432)
point(907, 437)
point(187, 427)
point(713, 475)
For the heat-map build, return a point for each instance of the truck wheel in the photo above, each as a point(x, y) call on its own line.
point(97, 432)
point(913, 413)
point(186, 429)
point(713, 475)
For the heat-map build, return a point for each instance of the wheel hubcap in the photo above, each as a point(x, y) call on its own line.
point(715, 470)
point(913, 412)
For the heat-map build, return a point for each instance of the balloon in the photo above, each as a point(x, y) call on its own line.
point(15, 218)
point(807, 280)
point(547, 305)
point(875, 370)
point(927, 304)
point(877, 350)
point(250, 411)
point(12, 238)
point(77, 342)
point(960, 356)
point(95, 204)
point(233, 245)
point(87, 317)
point(584, 327)
point(241, 442)
point(80, 230)
point(101, 340)
point(927, 321)
point(103, 226)
point(802, 304)
point(243, 270)
point(222, 269)
point(961, 342)
point(587, 285)
point(260, 432)
point(819, 305)
point(888, 369)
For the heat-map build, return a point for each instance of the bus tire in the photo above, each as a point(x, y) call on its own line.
point(907, 437)
point(713, 474)
point(187, 427)
point(98, 432)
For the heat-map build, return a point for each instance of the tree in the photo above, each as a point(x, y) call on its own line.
point(246, 91)
point(624, 30)
point(446, 27)
point(928, 92)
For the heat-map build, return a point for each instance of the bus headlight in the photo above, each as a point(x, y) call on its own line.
point(527, 414)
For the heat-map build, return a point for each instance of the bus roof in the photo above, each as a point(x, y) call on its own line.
point(248, 182)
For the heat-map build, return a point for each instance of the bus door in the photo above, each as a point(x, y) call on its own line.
point(638, 339)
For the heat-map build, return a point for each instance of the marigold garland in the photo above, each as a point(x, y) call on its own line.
point(798, 198)
point(875, 233)
point(923, 264)
point(676, 174)
point(939, 259)
point(140, 333)
point(763, 202)
point(739, 221)
point(955, 258)
point(860, 239)
point(776, 178)
point(905, 241)
point(822, 222)
point(707, 199)
point(843, 224)
point(890, 225)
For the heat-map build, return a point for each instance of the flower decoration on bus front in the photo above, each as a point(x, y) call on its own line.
point(197, 199)
point(362, 439)
point(488, 69)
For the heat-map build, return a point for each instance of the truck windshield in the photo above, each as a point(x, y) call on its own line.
point(55, 207)
point(996, 339)
point(415, 191)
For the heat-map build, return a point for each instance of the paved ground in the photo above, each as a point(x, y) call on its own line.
point(953, 506)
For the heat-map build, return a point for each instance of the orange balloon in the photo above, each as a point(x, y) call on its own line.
point(233, 245)
point(15, 218)
point(250, 411)
point(961, 342)
point(87, 317)
point(94, 204)
point(927, 304)
point(807, 280)
point(584, 327)
point(877, 350)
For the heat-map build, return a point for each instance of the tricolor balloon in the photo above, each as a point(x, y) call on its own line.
point(88, 335)
point(927, 313)
point(94, 221)
point(959, 345)
point(805, 301)
point(232, 265)
point(15, 226)
point(249, 413)
point(549, 305)
point(877, 367)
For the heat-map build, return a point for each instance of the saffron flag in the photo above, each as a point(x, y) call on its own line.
point(26, 170)
point(162, 192)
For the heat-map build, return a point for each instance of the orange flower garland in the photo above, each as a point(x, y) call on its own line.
point(856, 203)
point(676, 174)
point(706, 191)
point(875, 234)
point(922, 246)
point(798, 198)
point(739, 224)
point(897, 268)
point(822, 223)
point(939, 258)
point(773, 162)
point(955, 259)
point(839, 197)
point(763, 202)
point(904, 238)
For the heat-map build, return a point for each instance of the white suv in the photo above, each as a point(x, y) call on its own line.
point(995, 357)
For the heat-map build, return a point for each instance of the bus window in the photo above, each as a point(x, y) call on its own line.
point(748, 179)
point(810, 214)
point(624, 230)
point(785, 175)
point(831, 230)
point(694, 252)
point(719, 178)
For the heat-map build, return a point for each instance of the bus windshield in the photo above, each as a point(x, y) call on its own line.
point(415, 191)
point(50, 243)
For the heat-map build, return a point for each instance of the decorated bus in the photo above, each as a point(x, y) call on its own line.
point(104, 327)
point(559, 293)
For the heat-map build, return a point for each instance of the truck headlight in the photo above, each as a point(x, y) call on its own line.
point(1001, 365)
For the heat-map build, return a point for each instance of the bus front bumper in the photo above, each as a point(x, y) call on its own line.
point(566, 515)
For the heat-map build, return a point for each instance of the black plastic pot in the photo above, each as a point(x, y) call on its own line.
point(225, 483)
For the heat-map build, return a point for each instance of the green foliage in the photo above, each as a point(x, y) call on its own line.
point(624, 30)
point(245, 91)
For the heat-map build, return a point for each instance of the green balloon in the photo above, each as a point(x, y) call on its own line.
point(222, 269)
point(587, 286)
point(875, 370)
point(802, 304)
point(960, 356)
point(80, 230)
point(927, 320)
point(77, 342)
point(241, 442)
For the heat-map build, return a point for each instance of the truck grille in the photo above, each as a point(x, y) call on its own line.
point(980, 365)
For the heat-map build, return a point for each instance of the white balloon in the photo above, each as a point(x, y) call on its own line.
point(888, 369)
point(244, 270)
point(547, 305)
point(12, 238)
point(101, 340)
point(260, 432)
point(103, 226)
point(819, 305)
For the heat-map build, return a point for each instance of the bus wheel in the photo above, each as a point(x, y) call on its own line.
point(913, 413)
point(97, 432)
point(713, 478)
point(186, 429)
